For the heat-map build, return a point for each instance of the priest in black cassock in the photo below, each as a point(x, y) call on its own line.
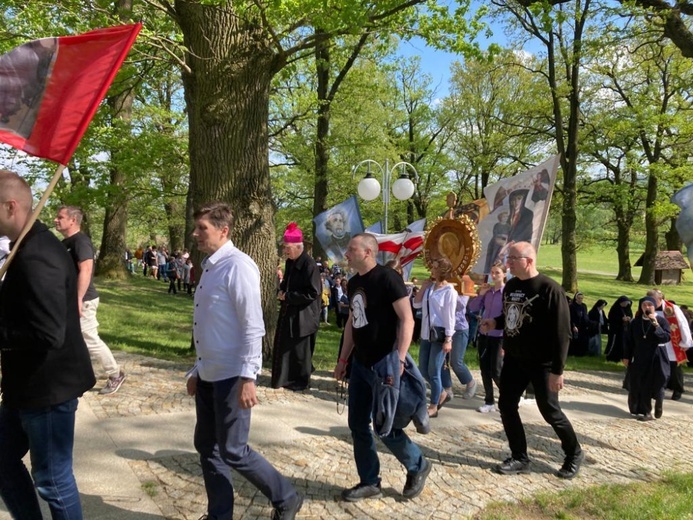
point(299, 315)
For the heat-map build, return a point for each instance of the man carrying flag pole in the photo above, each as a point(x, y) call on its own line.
point(49, 92)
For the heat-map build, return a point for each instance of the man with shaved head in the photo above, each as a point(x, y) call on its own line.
point(45, 363)
point(380, 321)
point(536, 324)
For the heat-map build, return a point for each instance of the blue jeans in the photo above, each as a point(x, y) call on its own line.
point(360, 406)
point(431, 361)
point(221, 439)
point(460, 340)
point(48, 435)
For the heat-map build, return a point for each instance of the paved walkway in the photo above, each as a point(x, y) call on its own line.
point(135, 460)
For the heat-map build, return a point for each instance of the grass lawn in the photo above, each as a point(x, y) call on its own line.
point(667, 499)
point(139, 316)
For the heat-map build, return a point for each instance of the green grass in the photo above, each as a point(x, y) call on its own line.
point(137, 315)
point(665, 499)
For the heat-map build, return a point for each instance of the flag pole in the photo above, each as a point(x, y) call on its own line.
point(33, 218)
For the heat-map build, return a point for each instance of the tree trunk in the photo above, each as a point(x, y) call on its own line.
point(111, 263)
point(322, 156)
point(189, 221)
point(674, 242)
point(647, 276)
point(175, 231)
point(227, 98)
point(623, 249)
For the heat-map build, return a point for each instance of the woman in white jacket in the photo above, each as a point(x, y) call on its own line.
point(437, 299)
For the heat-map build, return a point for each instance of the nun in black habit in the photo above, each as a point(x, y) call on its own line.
point(646, 357)
point(620, 316)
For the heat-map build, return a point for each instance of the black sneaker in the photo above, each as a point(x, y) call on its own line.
point(676, 396)
point(571, 466)
point(361, 491)
point(659, 408)
point(288, 512)
point(416, 481)
point(511, 466)
point(645, 418)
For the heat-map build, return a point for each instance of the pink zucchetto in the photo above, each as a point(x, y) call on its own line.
point(293, 234)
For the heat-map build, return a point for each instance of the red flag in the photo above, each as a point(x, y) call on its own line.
point(51, 88)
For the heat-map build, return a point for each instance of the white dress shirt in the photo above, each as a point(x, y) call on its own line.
point(227, 319)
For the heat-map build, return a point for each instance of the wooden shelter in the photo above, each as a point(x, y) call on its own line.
point(668, 267)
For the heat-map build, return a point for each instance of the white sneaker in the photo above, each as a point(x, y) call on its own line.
point(486, 408)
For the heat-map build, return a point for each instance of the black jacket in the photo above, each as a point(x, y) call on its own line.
point(303, 290)
point(44, 358)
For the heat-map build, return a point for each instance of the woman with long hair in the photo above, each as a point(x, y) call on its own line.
point(437, 299)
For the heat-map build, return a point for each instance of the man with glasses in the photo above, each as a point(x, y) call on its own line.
point(536, 324)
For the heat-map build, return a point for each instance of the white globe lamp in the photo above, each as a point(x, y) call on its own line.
point(402, 188)
point(369, 188)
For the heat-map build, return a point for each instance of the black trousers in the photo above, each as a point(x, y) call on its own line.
point(515, 376)
point(490, 363)
point(675, 382)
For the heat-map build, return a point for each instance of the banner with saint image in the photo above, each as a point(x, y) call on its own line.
point(335, 227)
point(518, 208)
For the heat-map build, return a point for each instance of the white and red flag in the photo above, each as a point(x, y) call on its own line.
point(403, 247)
point(51, 88)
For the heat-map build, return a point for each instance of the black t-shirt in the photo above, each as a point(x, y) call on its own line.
point(374, 320)
point(536, 321)
point(80, 248)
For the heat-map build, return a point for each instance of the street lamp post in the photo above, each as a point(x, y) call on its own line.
point(369, 187)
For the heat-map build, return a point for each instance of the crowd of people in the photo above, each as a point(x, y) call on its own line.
point(523, 328)
point(159, 263)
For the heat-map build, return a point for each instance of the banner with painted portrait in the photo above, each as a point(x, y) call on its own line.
point(518, 208)
point(335, 227)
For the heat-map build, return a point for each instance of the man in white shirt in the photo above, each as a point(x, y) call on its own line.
point(228, 330)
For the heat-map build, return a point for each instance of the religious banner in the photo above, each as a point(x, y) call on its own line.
point(51, 88)
point(518, 208)
point(335, 227)
point(684, 222)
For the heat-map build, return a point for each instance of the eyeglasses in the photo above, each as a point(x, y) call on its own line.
point(512, 258)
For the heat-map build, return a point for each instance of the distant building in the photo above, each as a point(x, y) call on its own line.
point(668, 267)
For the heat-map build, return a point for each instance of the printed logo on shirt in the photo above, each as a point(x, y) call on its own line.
point(358, 309)
point(516, 310)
